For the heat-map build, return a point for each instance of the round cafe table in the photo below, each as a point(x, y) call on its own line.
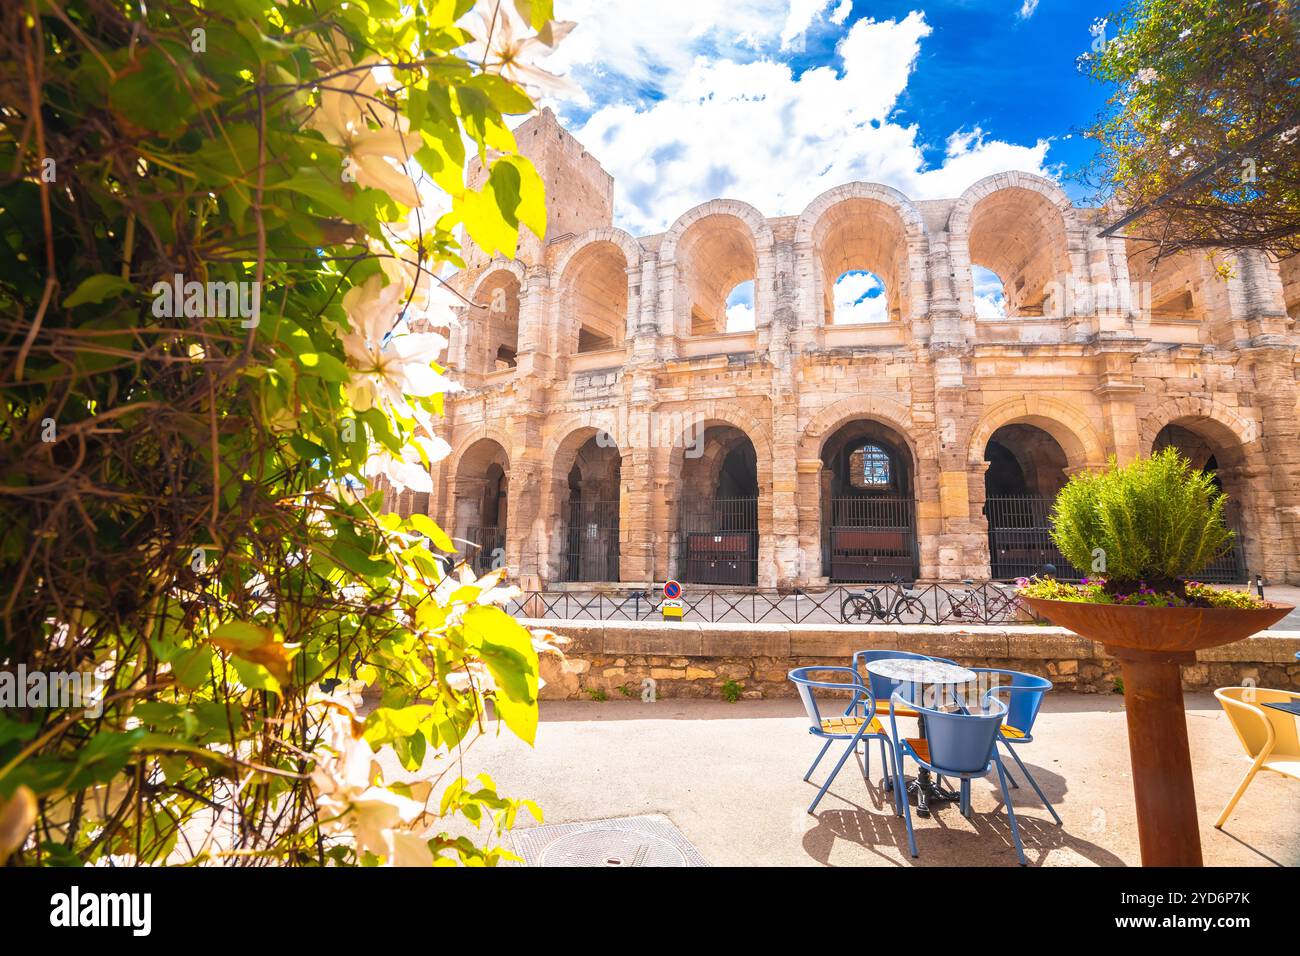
point(910, 670)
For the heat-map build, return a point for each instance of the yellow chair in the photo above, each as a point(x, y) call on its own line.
point(1268, 734)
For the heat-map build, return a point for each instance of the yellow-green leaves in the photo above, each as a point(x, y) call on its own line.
point(506, 647)
point(258, 654)
point(513, 196)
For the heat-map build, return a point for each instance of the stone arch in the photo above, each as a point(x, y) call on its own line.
point(1069, 426)
point(1213, 419)
point(1025, 229)
point(1236, 446)
point(492, 334)
point(480, 495)
point(865, 226)
point(700, 443)
point(570, 443)
point(704, 255)
point(831, 418)
point(594, 286)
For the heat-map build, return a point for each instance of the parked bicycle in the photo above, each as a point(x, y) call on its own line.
point(866, 607)
point(980, 605)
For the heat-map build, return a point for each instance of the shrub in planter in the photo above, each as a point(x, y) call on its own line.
point(1147, 527)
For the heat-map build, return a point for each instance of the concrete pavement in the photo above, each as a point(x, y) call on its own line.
point(728, 775)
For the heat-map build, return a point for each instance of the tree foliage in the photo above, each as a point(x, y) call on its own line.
point(218, 319)
point(1202, 131)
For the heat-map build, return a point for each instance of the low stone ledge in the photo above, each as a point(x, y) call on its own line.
point(607, 659)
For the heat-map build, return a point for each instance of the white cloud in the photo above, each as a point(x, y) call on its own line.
point(841, 13)
point(1027, 9)
point(740, 308)
point(990, 298)
point(859, 297)
point(692, 101)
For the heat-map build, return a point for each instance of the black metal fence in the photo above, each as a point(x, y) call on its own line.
point(871, 539)
point(591, 541)
point(876, 604)
point(719, 541)
point(1020, 539)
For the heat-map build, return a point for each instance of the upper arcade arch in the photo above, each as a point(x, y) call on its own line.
point(865, 227)
point(594, 290)
point(1023, 228)
point(705, 255)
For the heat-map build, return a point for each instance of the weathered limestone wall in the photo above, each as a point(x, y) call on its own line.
point(621, 337)
point(696, 660)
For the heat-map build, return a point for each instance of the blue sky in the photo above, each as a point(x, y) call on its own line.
point(773, 102)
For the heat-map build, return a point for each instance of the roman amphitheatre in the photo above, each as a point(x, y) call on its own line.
point(616, 429)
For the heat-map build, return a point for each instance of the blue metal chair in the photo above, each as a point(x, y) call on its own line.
point(1024, 696)
point(850, 725)
point(960, 745)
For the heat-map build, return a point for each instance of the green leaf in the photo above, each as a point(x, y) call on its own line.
point(97, 288)
point(429, 528)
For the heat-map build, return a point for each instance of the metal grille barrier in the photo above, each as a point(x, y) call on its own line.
point(719, 542)
point(873, 604)
point(871, 538)
point(1020, 538)
point(591, 541)
point(488, 546)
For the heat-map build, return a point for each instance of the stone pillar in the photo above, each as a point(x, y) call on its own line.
point(954, 542)
point(788, 570)
point(1270, 354)
point(636, 528)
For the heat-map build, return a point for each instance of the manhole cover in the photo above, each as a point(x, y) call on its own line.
point(650, 840)
point(611, 848)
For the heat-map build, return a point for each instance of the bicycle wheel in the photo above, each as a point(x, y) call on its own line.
point(911, 607)
point(855, 610)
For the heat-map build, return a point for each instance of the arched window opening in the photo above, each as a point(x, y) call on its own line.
point(714, 256)
point(595, 298)
point(868, 505)
point(718, 520)
point(860, 297)
point(497, 321)
point(1019, 235)
point(740, 308)
point(591, 518)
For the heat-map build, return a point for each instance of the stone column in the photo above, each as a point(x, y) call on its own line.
point(636, 498)
point(785, 549)
point(954, 542)
point(1270, 355)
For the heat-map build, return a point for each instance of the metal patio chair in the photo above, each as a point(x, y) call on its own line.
point(959, 744)
point(849, 725)
point(1024, 696)
point(1268, 735)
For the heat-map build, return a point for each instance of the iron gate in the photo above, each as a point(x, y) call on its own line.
point(1229, 568)
point(488, 546)
point(871, 539)
point(591, 541)
point(1020, 539)
point(719, 540)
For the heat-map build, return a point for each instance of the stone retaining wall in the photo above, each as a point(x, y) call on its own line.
point(614, 659)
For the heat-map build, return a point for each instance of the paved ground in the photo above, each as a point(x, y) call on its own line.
point(728, 775)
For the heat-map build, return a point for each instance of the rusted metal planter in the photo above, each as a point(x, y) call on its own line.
point(1151, 644)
